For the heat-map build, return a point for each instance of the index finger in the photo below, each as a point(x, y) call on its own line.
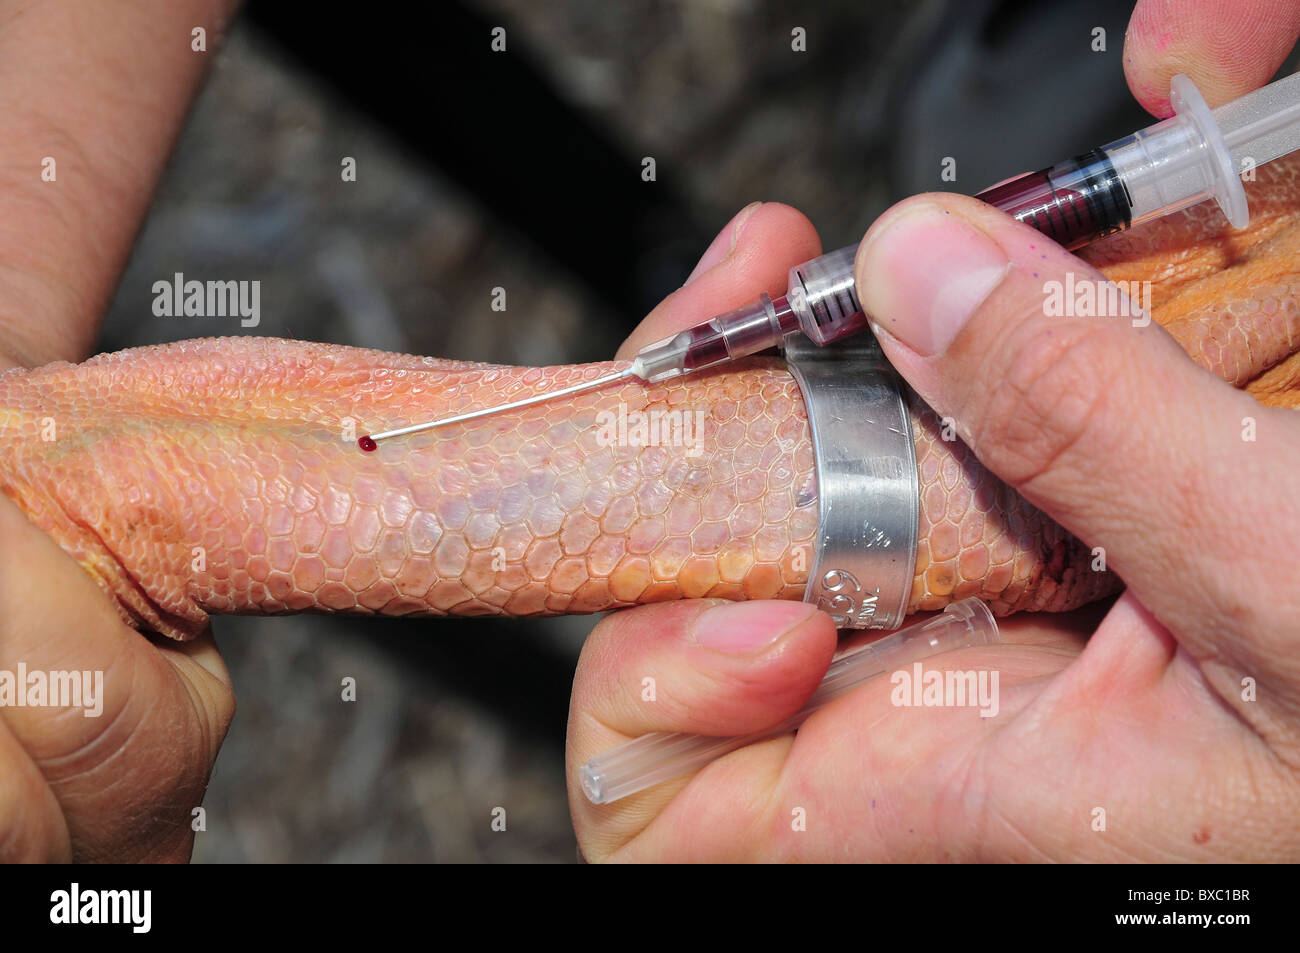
point(765, 245)
point(1227, 47)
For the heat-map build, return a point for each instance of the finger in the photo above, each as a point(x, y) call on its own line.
point(1102, 422)
point(699, 667)
point(703, 667)
point(751, 255)
point(202, 672)
point(1227, 47)
point(128, 767)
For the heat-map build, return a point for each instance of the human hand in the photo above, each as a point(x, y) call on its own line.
point(1155, 707)
point(120, 786)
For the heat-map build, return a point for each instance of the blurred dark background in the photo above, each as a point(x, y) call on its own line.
point(522, 169)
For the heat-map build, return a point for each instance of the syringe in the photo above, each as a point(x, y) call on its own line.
point(1195, 155)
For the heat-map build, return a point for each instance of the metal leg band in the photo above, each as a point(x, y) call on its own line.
point(868, 491)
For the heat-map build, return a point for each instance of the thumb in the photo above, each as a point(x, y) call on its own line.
point(699, 667)
point(713, 667)
point(1102, 421)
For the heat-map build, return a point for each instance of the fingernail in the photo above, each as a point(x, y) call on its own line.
point(747, 628)
point(725, 243)
point(924, 271)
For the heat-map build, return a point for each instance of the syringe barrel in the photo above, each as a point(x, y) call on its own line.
point(824, 298)
point(1074, 202)
point(1168, 166)
point(1165, 167)
point(1180, 162)
point(1162, 169)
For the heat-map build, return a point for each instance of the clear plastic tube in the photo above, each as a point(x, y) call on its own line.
point(651, 759)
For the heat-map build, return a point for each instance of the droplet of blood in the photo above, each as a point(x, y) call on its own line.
point(367, 443)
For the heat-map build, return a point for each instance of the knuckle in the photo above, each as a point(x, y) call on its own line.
point(153, 747)
point(1046, 406)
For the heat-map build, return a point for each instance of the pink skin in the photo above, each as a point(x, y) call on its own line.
point(1227, 47)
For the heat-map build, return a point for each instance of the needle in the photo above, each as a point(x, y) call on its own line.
point(369, 441)
point(1176, 163)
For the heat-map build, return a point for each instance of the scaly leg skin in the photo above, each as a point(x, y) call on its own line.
point(218, 475)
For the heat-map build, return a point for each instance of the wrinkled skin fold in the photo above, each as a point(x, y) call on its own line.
point(223, 476)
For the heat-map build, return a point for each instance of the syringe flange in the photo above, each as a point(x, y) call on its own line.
point(864, 555)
